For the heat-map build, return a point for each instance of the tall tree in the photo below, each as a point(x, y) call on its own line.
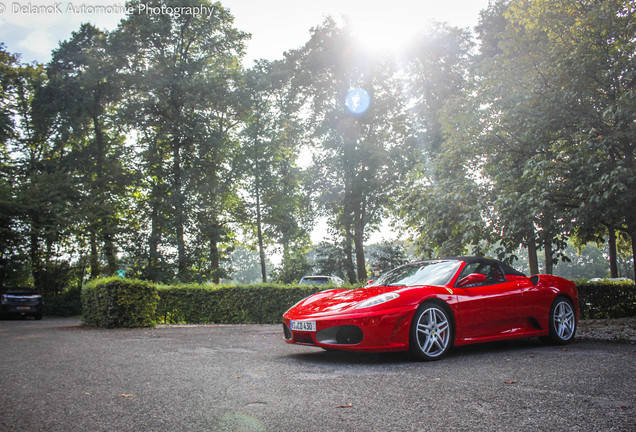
point(443, 203)
point(10, 236)
point(278, 206)
point(186, 75)
point(42, 189)
point(357, 123)
point(82, 94)
point(575, 105)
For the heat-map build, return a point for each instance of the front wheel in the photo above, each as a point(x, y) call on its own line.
point(562, 322)
point(431, 332)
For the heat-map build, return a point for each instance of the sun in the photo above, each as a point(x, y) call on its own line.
point(388, 28)
point(383, 36)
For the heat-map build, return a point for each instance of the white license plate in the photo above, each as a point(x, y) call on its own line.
point(308, 326)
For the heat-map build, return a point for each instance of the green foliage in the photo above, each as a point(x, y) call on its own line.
point(330, 260)
point(241, 304)
point(387, 256)
point(66, 304)
point(115, 303)
point(293, 267)
point(607, 299)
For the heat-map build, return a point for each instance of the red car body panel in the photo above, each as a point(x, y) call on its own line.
point(516, 308)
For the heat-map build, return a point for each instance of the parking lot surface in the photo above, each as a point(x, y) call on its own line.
point(57, 376)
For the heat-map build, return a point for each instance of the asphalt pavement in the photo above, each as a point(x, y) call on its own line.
point(57, 376)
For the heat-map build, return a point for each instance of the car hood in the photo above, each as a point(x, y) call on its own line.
point(338, 300)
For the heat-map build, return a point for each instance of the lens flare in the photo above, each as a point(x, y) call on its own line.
point(358, 101)
point(232, 422)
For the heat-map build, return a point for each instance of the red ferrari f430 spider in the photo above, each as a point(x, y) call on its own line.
point(426, 307)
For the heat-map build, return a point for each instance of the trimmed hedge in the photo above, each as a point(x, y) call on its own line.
point(607, 299)
point(117, 302)
point(114, 302)
point(65, 304)
point(241, 304)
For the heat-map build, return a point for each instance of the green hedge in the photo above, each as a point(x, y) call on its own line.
point(241, 304)
point(606, 299)
point(65, 304)
point(115, 302)
point(132, 303)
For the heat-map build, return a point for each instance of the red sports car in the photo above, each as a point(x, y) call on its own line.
point(428, 306)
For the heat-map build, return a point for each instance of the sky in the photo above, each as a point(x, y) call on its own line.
point(34, 28)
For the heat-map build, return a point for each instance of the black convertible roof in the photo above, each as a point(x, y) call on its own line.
point(475, 259)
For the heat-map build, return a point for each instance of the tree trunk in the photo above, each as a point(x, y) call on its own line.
point(109, 251)
point(259, 229)
point(215, 259)
point(259, 216)
point(94, 260)
point(99, 193)
point(35, 255)
point(350, 270)
point(155, 236)
point(178, 208)
point(358, 240)
point(549, 268)
point(613, 256)
point(533, 260)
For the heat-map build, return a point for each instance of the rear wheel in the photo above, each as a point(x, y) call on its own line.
point(562, 322)
point(431, 332)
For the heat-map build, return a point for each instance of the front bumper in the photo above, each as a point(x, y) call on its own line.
point(382, 330)
point(8, 309)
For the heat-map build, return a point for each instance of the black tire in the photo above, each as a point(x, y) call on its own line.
point(562, 322)
point(431, 331)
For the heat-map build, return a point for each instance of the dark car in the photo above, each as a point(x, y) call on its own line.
point(321, 280)
point(21, 302)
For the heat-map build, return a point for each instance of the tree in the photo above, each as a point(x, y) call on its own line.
point(443, 202)
point(82, 93)
point(387, 256)
point(187, 105)
point(12, 262)
point(330, 259)
point(579, 96)
point(277, 206)
point(356, 120)
point(41, 181)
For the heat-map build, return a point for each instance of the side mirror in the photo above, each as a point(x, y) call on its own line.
point(370, 282)
point(473, 278)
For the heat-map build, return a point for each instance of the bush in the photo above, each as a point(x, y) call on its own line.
point(607, 299)
point(241, 304)
point(65, 304)
point(115, 302)
point(132, 303)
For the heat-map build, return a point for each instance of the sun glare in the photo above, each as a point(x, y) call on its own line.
point(387, 36)
point(392, 27)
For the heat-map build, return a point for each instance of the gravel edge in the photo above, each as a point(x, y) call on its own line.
point(616, 330)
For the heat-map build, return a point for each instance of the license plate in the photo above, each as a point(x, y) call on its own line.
point(23, 308)
point(308, 326)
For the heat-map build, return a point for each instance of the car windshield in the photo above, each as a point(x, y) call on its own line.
point(314, 281)
point(20, 291)
point(420, 273)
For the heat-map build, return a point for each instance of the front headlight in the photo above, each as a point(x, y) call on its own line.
point(373, 301)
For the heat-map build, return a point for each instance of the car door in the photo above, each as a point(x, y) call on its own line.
point(490, 308)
